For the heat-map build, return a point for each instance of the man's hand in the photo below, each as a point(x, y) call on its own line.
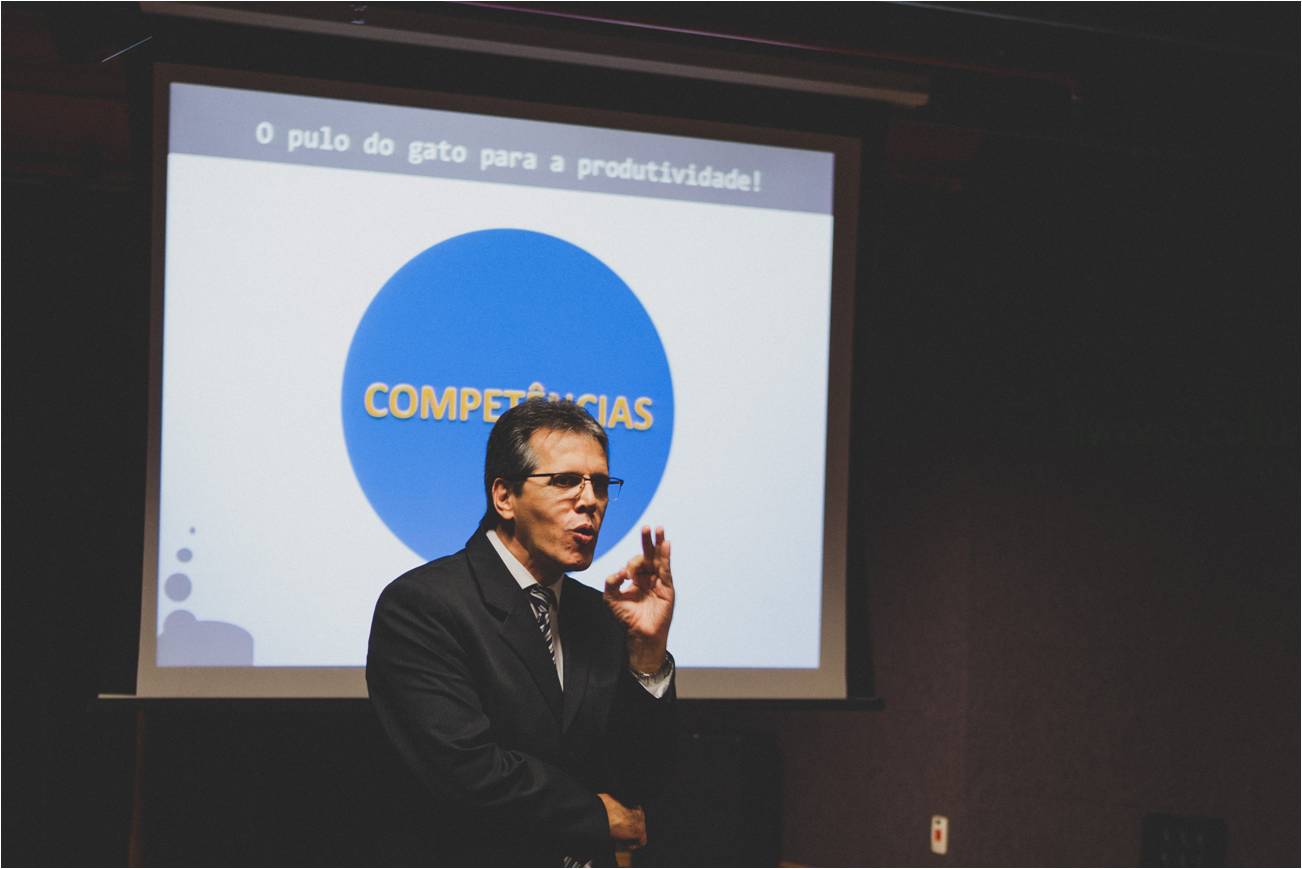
point(646, 606)
point(627, 826)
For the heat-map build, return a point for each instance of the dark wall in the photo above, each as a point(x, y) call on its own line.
point(1081, 522)
point(1075, 445)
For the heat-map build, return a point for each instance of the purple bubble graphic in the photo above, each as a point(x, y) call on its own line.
point(177, 586)
point(189, 642)
point(184, 555)
point(179, 620)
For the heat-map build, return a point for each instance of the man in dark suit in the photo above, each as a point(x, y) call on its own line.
point(535, 710)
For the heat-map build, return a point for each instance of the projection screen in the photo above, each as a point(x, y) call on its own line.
point(352, 283)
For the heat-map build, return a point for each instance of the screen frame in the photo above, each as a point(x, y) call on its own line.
point(829, 682)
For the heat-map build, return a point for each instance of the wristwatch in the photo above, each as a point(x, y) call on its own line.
point(666, 669)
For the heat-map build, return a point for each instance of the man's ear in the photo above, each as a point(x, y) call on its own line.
point(503, 500)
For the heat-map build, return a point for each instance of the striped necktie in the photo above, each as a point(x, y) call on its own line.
point(543, 601)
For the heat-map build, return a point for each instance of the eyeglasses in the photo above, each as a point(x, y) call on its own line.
point(567, 484)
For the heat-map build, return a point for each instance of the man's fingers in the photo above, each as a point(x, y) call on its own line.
point(615, 583)
point(637, 570)
point(644, 569)
point(648, 549)
point(615, 580)
point(662, 545)
point(663, 556)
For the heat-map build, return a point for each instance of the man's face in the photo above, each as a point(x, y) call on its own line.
point(558, 533)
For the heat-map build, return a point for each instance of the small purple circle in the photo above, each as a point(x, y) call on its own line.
point(177, 587)
point(184, 555)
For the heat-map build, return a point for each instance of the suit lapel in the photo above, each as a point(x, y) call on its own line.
point(579, 629)
point(503, 595)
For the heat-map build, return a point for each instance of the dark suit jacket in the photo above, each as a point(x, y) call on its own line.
point(465, 690)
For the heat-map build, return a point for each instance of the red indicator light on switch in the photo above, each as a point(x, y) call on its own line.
point(939, 834)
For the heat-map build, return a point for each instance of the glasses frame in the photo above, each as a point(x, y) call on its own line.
point(613, 484)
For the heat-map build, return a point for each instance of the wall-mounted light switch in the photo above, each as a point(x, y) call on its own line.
point(939, 834)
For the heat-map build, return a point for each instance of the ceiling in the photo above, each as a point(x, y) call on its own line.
point(1121, 75)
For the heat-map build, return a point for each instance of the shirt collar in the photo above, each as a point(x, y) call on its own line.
point(518, 571)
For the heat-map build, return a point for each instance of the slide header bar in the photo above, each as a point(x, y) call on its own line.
point(344, 134)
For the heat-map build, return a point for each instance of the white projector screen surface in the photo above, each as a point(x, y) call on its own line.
point(355, 283)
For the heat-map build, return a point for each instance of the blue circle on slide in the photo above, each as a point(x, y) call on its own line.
point(498, 309)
